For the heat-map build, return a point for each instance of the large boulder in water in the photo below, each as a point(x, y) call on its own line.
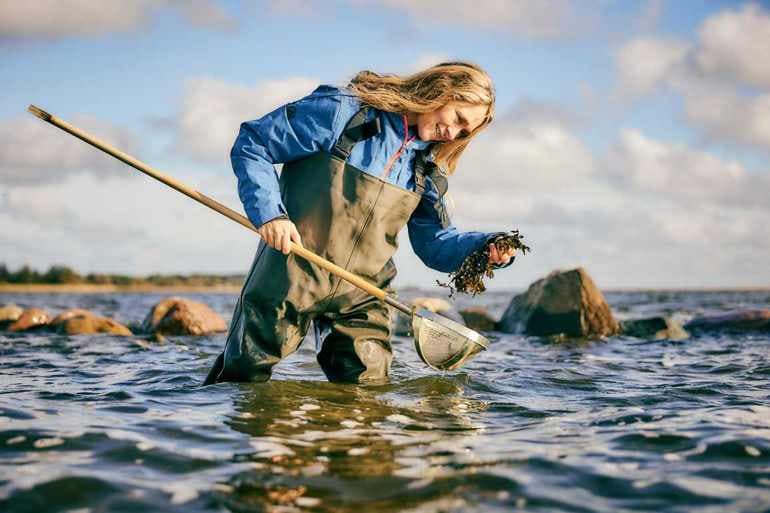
point(78, 322)
point(69, 314)
point(30, 319)
point(178, 316)
point(746, 320)
point(654, 328)
point(9, 314)
point(564, 302)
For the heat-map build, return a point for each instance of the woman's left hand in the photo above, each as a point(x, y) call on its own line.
point(500, 257)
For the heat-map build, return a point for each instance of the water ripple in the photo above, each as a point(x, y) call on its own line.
point(100, 423)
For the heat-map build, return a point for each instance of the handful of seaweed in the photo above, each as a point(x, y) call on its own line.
point(469, 278)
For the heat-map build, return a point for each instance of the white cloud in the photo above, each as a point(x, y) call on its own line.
point(723, 77)
point(646, 63)
point(35, 152)
point(212, 111)
point(714, 228)
point(542, 19)
point(83, 18)
point(730, 49)
point(130, 224)
point(640, 164)
point(531, 148)
point(53, 19)
point(205, 13)
point(734, 43)
point(726, 115)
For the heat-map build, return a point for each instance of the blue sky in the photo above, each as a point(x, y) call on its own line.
point(630, 136)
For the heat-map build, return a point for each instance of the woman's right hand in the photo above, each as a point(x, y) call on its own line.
point(278, 233)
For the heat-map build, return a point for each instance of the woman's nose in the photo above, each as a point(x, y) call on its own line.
point(453, 131)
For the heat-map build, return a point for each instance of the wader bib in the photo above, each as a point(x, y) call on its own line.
point(350, 218)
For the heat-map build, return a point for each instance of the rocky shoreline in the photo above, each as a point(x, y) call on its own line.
point(568, 305)
point(171, 316)
point(563, 305)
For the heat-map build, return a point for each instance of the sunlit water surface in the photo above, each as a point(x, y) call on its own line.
point(101, 423)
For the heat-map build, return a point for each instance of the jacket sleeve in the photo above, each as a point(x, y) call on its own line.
point(440, 245)
point(290, 132)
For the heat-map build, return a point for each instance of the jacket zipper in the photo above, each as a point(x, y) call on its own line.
point(407, 141)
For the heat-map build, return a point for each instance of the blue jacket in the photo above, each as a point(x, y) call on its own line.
point(315, 124)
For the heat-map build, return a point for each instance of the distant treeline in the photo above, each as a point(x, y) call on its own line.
point(63, 274)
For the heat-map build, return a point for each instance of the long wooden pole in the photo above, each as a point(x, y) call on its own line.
point(215, 205)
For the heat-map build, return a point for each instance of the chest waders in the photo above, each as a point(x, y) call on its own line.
point(350, 218)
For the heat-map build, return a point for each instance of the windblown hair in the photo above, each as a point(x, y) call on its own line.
point(429, 90)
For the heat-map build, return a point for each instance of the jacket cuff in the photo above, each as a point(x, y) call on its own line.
point(492, 237)
point(261, 215)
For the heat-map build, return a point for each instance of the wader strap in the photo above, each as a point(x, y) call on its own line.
point(355, 131)
point(423, 168)
point(419, 173)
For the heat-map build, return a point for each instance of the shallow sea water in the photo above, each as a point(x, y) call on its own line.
point(101, 423)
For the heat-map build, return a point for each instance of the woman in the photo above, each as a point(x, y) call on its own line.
point(359, 165)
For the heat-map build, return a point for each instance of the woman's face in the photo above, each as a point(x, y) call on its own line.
point(454, 120)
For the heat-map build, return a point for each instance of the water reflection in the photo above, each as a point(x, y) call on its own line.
point(353, 448)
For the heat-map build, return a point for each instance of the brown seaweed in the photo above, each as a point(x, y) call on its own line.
point(469, 277)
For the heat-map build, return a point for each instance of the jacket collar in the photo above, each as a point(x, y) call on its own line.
point(396, 122)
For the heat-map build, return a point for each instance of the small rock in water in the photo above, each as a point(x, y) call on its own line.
point(478, 318)
point(178, 316)
point(30, 319)
point(78, 321)
point(654, 328)
point(9, 314)
point(747, 320)
point(69, 314)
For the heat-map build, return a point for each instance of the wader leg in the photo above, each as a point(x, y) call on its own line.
point(259, 337)
point(266, 324)
point(215, 371)
point(355, 347)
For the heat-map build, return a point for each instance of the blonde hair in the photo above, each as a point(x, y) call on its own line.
point(429, 90)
